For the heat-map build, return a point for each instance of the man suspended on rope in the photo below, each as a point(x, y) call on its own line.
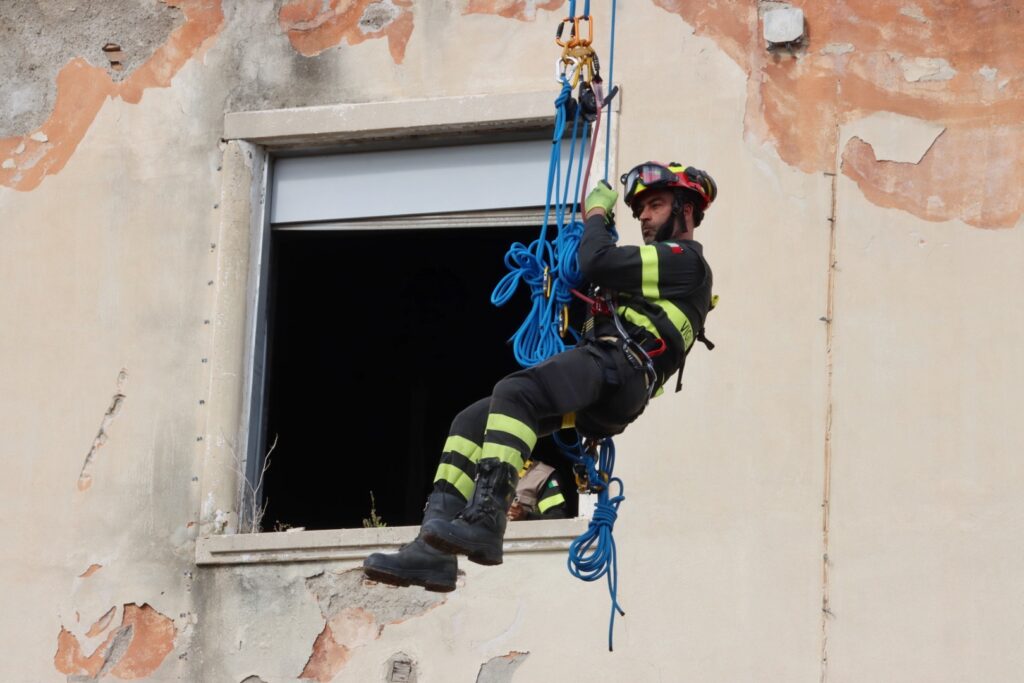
point(649, 304)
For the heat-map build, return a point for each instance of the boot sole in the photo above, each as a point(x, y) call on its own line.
point(381, 576)
point(485, 556)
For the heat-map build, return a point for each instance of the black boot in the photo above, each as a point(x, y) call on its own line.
point(479, 530)
point(416, 563)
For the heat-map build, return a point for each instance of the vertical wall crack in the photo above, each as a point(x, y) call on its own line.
point(826, 611)
point(84, 478)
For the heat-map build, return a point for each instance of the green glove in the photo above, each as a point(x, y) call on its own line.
point(601, 197)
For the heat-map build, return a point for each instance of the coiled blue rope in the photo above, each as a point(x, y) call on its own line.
point(549, 263)
point(555, 263)
point(593, 554)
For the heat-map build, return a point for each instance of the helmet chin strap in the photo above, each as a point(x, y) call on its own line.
point(669, 227)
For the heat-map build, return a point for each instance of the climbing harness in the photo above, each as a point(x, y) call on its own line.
point(550, 269)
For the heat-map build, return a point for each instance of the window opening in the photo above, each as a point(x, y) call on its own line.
point(376, 339)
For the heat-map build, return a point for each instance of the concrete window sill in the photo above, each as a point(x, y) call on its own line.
point(355, 544)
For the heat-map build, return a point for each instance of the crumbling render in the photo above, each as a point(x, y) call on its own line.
point(92, 569)
point(947, 63)
point(131, 651)
point(83, 87)
point(84, 478)
point(523, 10)
point(500, 669)
point(314, 26)
point(356, 612)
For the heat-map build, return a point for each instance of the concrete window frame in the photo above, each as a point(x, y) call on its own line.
point(250, 142)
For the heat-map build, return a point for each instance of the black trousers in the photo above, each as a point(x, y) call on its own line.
point(593, 387)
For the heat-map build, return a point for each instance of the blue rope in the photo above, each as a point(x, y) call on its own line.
point(539, 336)
point(611, 84)
point(592, 555)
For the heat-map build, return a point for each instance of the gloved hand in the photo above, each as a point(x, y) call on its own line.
point(601, 197)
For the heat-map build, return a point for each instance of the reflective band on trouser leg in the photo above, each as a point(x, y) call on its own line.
point(508, 439)
point(510, 425)
point(458, 464)
point(507, 454)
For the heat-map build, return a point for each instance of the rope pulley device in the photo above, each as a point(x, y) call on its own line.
point(550, 269)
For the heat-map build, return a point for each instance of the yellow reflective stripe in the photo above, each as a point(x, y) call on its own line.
point(548, 503)
point(457, 478)
point(649, 272)
point(679, 320)
point(568, 420)
point(677, 317)
point(510, 425)
point(506, 454)
point(639, 319)
point(462, 446)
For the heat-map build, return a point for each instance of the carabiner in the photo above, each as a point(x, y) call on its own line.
point(567, 70)
point(580, 40)
point(572, 32)
point(575, 37)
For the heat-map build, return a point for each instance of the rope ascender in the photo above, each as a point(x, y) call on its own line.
point(550, 269)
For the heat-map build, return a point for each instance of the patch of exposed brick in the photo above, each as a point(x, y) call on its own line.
point(133, 650)
point(356, 612)
point(327, 659)
point(951, 63)
point(523, 10)
point(314, 25)
point(83, 88)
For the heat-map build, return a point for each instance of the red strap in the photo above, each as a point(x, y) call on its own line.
point(657, 350)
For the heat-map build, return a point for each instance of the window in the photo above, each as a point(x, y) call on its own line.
point(276, 318)
point(379, 322)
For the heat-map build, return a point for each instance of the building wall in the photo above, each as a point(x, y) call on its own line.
point(834, 496)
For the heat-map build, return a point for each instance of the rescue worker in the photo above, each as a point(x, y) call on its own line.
point(649, 305)
point(538, 494)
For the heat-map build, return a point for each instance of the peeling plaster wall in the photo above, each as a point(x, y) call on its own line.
point(845, 505)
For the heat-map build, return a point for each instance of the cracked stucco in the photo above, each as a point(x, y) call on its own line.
point(38, 38)
point(933, 62)
point(356, 611)
point(81, 87)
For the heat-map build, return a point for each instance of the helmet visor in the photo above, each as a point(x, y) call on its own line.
point(646, 177)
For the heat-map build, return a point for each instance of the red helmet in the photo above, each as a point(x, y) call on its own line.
point(653, 175)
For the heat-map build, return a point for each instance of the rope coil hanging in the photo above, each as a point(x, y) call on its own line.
point(550, 270)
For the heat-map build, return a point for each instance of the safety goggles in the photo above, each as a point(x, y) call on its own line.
point(647, 176)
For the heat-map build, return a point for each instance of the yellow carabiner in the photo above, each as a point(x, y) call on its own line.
point(582, 56)
point(564, 322)
point(547, 283)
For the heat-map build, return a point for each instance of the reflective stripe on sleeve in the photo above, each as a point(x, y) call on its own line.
point(649, 272)
point(548, 503)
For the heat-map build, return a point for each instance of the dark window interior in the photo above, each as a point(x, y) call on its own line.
point(375, 341)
